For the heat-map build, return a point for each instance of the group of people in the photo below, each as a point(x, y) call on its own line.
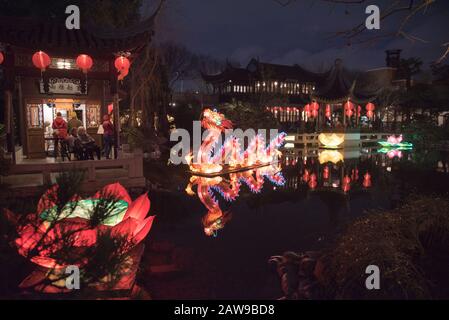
point(75, 137)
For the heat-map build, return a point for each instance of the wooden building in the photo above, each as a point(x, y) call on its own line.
point(33, 97)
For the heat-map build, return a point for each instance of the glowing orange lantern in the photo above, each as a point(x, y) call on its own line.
point(346, 185)
point(122, 63)
point(2, 58)
point(41, 60)
point(84, 62)
point(123, 74)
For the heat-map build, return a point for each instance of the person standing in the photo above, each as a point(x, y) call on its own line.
point(108, 136)
point(74, 122)
point(59, 127)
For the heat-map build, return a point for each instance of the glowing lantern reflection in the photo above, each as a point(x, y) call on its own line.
point(333, 156)
point(313, 182)
point(346, 185)
point(367, 180)
point(326, 172)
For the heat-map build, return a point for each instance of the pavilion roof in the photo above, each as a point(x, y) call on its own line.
point(52, 35)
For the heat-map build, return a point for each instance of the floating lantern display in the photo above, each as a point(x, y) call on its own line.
point(332, 156)
point(331, 140)
point(84, 62)
point(49, 231)
point(229, 189)
point(212, 160)
point(396, 142)
point(41, 60)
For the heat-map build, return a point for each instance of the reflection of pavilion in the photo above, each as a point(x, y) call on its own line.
point(229, 188)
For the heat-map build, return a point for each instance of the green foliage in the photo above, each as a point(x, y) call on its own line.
point(423, 132)
point(408, 244)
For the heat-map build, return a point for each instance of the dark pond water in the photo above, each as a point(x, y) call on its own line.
point(302, 206)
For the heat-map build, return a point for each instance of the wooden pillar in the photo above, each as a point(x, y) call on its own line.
point(116, 124)
point(8, 94)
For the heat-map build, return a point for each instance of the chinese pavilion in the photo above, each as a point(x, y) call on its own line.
point(47, 69)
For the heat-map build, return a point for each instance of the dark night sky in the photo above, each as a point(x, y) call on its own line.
point(299, 33)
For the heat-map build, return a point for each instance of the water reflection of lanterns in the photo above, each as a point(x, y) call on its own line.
point(215, 219)
point(346, 184)
point(326, 172)
point(333, 156)
point(367, 183)
point(306, 176)
point(355, 174)
point(313, 181)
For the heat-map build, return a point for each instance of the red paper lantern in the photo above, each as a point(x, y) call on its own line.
point(122, 63)
point(123, 74)
point(84, 62)
point(370, 107)
point(349, 107)
point(328, 111)
point(313, 182)
point(2, 57)
point(307, 110)
point(41, 60)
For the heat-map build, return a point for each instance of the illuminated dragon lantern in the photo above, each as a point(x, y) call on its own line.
point(211, 157)
point(229, 189)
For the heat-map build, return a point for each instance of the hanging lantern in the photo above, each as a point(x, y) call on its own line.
point(349, 107)
point(314, 108)
point(359, 111)
point(84, 62)
point(328, 112)
point(41, 60)
point(2, 57)
point(122, 63)
point(370, 107)
point(123, 74)
point(307, 110)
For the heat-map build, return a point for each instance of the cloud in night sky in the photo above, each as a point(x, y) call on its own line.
point(301, 33)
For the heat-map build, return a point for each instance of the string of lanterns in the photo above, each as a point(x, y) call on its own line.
point(312, 110)
point(42, 61)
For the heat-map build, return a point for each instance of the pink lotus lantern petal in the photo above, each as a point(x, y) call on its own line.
point(142, 231)
point(115, 190)
point(139, 208)
point(10, 216)
point(46, 262)
point(48, 199)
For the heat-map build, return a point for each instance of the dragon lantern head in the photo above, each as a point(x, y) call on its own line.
point(214, 221)
point(214, 120)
